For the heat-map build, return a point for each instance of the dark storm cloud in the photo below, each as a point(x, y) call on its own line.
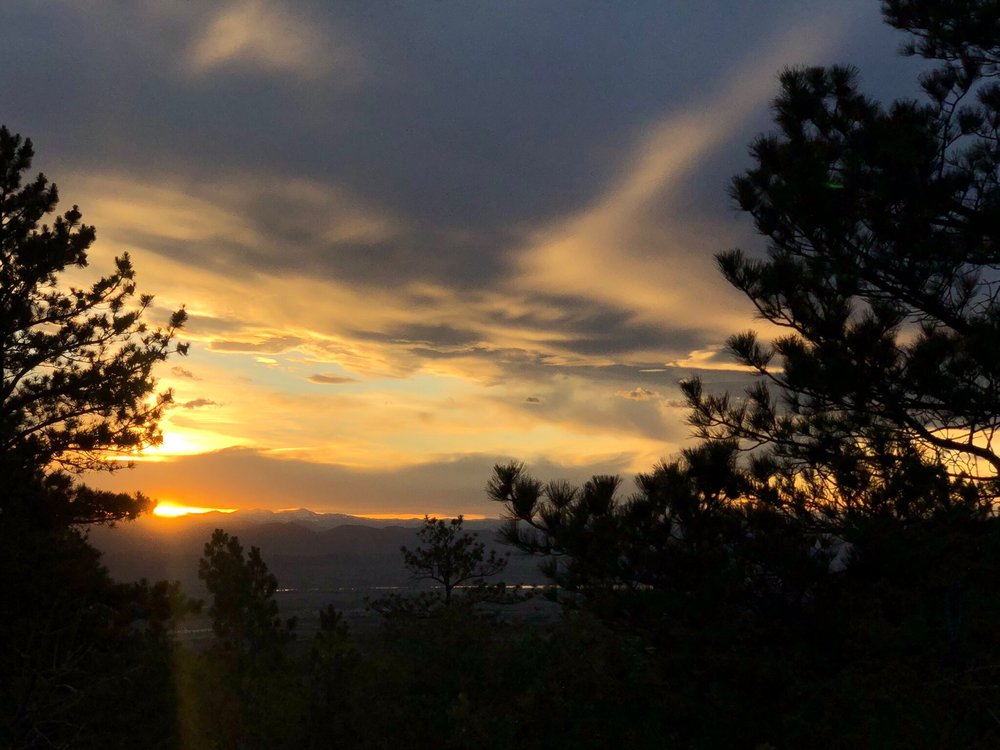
point(528, 367)
point(586, 326)
point(440, 335)
point(465, 122)
point(570, 325)
point(295, 236)
point(624, 339)
point(523, 197)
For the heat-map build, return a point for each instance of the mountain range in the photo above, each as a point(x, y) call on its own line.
point(305, 550)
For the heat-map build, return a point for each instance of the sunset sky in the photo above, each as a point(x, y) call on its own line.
point(418, 238)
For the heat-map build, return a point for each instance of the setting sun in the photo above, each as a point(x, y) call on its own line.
point(173, 510)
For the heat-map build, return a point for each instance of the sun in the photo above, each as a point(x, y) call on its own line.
point(167, 509)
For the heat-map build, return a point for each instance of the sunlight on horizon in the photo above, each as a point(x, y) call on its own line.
point(416, 516)
point(168, 509)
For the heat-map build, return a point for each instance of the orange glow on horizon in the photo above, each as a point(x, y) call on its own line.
point(175, 510)
point(416, 516)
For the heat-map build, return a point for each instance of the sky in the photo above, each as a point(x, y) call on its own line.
point(419, 238)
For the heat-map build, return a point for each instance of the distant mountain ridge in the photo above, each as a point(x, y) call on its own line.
point(302, 548)
point(302, 516)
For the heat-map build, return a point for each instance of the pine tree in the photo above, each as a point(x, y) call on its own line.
point(882, 265)
point(452, 557)
point(78, 391)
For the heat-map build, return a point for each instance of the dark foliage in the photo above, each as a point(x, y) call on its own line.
point(452, 558)
point(882, 264)
point(244, 614)
point(818, 569)
point(85, 661)
point(77, 363)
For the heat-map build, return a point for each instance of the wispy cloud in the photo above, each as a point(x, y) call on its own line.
point(490, 246)
point(269, 35)
point(627, 248)
point(180, 372)
point(321, 379)
point(444, 366)
point(198, 403)
point(264, 344)
point(714, 357)
point(639, 394)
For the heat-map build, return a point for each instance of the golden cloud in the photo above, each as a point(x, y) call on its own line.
point(626, 249)
point(270, 35)
point(324, 379)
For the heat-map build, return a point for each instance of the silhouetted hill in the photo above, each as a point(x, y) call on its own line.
point(303, 549)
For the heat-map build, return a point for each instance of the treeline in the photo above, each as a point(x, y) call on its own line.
point(897, 648)
point(760, 639)
point(442, 670)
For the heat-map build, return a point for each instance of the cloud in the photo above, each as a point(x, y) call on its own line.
point(639, 394)
point(198, 403)
point(644, 394)
point(330, 379)
point(238, 222)
point(503, 233)
point(711, 358)
point(254, 279)
point(567, 413)
point(630, 248)
point(247, 478)
point(268, 35)
point(180, 372)
point(268, 345)
point(444, 366)
point(439, 335)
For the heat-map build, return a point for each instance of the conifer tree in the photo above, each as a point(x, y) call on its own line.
point(879, 408)
point(882, 266)
point(78, 390)
point(452, 557)
point(77, 393)
point(244, 613)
